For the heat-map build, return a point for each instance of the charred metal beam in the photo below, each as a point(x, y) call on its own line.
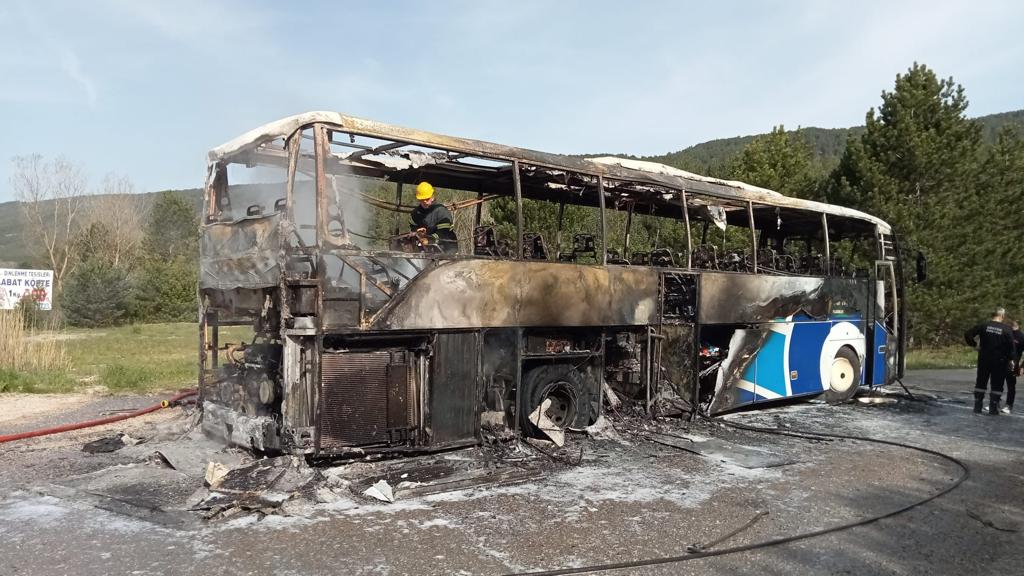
point(202, 345)
point(828, 259)
point(398, 204)
point(604, 226)
point(364, 274)
point(518, 380)
point(519, 210)
point(294, 146)
point(478, 213)
point(322, 153)
point(753, 234)
point(686, 219)
point(346, 144)
point(367, 150)
point(558, 229)
point(629, 225)
point(648, 359)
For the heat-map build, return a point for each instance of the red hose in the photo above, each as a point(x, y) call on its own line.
point(100, 421)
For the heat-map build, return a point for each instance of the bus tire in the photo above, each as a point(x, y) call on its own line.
point(568, 389)
point(844, 376)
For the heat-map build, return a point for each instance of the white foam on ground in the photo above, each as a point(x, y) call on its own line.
point(437, 522)
point(41, 509)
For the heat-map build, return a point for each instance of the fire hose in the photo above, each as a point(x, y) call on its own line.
point(172, 401)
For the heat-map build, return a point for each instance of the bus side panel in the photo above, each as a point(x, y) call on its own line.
point(471, 294)
point(753, 299)
point(814, 346)
point(878, 348)
point(784, 359)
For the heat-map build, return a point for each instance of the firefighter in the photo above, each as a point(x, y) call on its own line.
point(1015, 370)
point(996, 350)
point(432, 222)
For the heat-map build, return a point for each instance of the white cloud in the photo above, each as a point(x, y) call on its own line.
point(73, 68)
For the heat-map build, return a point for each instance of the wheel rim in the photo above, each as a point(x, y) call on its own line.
point(562, 411)
point(842, 374)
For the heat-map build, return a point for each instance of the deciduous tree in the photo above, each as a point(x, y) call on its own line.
point(52, 196)
point(780, 161)
point(122, 213)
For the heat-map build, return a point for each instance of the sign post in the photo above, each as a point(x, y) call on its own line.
point(29, 285)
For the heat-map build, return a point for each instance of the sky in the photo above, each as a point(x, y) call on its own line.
point(143, 89)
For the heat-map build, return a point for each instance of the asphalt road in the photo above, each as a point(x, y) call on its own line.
point(624, 502)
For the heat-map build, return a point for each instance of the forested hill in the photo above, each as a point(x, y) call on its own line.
point(827, 145)
point(15, 253)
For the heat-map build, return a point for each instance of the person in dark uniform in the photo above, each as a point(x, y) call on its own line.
point(432, 223)
point(995, 351)
point(1015, 370)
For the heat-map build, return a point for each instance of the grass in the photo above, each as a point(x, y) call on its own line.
point(138, 358)
point(947, 357)
point(35, 381)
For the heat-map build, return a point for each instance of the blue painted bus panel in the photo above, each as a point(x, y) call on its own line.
point(784, 359)
point(878, 346)
point(805, 348)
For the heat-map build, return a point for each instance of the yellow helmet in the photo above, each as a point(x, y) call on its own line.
point(424, 191)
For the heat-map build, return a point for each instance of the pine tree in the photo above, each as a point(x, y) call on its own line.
point(916, 166)
point(999, 235)
point(96, 294)
point(165, 289)
point(173, 228)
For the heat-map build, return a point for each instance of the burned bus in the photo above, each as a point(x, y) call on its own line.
point(568, 280)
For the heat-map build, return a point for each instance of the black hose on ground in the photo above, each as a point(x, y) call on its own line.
point(786, 539)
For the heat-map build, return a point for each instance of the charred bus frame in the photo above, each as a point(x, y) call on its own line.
point(359, 349)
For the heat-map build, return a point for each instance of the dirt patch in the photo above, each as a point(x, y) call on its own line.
point(18, 407)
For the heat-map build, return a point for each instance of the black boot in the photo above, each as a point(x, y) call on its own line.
point(993, 405)
point(978, 401)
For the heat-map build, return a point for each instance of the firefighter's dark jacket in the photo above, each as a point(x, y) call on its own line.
point(996, 341)
point(437, 219)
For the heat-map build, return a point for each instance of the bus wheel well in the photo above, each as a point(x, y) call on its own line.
point(566, 387)
point(845, 375)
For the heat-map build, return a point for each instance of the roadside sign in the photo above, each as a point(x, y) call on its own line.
point(34, 285)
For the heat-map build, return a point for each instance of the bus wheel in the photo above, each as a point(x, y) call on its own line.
point(565, 386)
point(844, 376)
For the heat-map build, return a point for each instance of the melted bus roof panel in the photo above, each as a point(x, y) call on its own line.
point(608, 167)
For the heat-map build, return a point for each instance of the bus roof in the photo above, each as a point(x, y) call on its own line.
point(609, 167)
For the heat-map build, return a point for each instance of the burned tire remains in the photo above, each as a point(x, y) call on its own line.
point(566, 387)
